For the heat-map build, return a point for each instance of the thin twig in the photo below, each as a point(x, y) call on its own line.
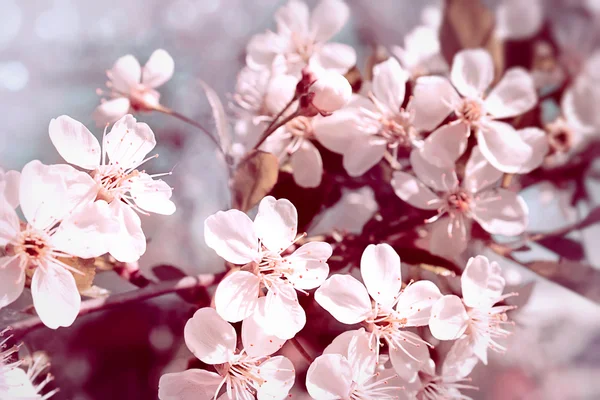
point(21, 328)
point(274, 125)
point(189, 121)
point(301, 350)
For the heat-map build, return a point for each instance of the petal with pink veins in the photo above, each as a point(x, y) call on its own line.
point(12, 280)
point(307, 165)
point(55, 296)
point(256, 342)
point(192, 384)
point(231, 234)
point(237, 296)
point(329, 377)
point(276, 223)
point(514, 95)
point(128, 142)
point(380, 271)
point(158, 70)
point(210, 338)
point(152, 195)
point(472, 72)
point(448, 318)
point(482, 282)
point(502, 146)
point(414, 192)
point(345, 298)
point(501, 212)
point(308, 265)
point(74, 142)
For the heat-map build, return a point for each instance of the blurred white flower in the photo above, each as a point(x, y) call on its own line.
point(497, 210)
point(9, 186)
point(246, 374)
point(519, 20)
point(301, 38)
point(49, 195)
point(330, 92)
point(118, 181)
point(347, 370)
point(368, 127)
point(421, 54)
point(261, 244)
point(393, 309)
point(436, 98)
point(474, 315)
point(131, 87)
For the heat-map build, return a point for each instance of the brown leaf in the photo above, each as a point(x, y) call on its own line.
point(468, 24)
point(354, 78)
point(253, 179)
point(85, 280)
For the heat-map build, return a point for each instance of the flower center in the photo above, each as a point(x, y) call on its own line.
point(398, 128)
point(113, 181)
point(32, 245)
point(560, 136)
point(458, 201)
point(490, 323)
point(470, 110)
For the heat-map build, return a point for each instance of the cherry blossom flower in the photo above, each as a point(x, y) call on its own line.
point(15, 382)
point(132, 88)
point(347, 370)
point(118, 181)
point(301, 38)
point(47, 196)
point(330, 92)
point(261, 245)
point(475, 315)
point(368, 127)
point(246, 374)
point(518, 20)
point(392, 309)
point(9, 186)
point(472, 73)
point(498, 211)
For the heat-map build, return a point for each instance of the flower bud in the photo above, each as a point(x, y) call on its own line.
point(330, 92)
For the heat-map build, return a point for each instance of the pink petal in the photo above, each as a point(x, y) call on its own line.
point(9, 187)
point(10, 225)
point(125, 73)
point(380, 271)
point(329, 377)
point(460, 360)
point(441, 179)
point(74, 142)
point(309, 265)
point(363, 153)
point(262, 48)
point(284, 317)
point(479, 173)
point(328, 18)
point(292, 17)
point(501, 212)
point(446, 144)
point(519, 20)
point(503, 147)
point(472, 72)
point(111, 111)
point(278, 374)
point(415, 302)
point(307, 165)
point(210, 338)
point(158, 70)
point(231, 234)
point(514, 95)
point(257, 343)
point(128, 142)
point(237, 295)
point(433, 100)
point(537, 139)
point(448, 318)
point(280, 91)
point(407, 366)
point(12, 280)
point(55, 296)
point(276, 223)
point(341, 343)
point(414, 192)
point(449, 236)
point(336, 57)
point(152, 195)
point(129, 243)
point(389, 84)
point(482, 282)
point(334, 132)
point(192, 384)
point(345, 298)
point(362, 357)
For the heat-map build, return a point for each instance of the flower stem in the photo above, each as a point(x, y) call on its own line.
point(274, 125)
point(188, 121)
point(21, 328)
point(301, 350)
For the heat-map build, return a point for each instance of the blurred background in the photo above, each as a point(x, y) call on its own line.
point(53, 56)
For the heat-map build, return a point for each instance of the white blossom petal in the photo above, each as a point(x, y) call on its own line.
point(345, 298)
point(415, 302)
point(440, 179)
point(257, 343)
point(129, 243)
point(329, 377)
point(125, 73)
point(192, 384)
point(414, 192)
point(9, 187)
point(262, 48)
point(292, 18)
point(362, 357)
point(449, 236)
point(407, 366)
point(380, 271)
point(328, 18)
point(307, 165)
point(481, 282)
point(128, 142)
point(280, 91)
point(537, 139)
point(446, 144)
point(210, 338)
point(152, 195)
point(111, 111)
point(472, 72)
point(10, 224)
point(74, 142)
point(158, 70)
point(363, 153)
point(479, 173)
point(55, 296)
point(309, 265)
point(433, 100)
point(279, 375)
point(503, 147)
point(237, 295)
point(335, 57)
point(514, 95)
point(336, 131)
point(460, 360)
point(284, 317)
point(389, 84)
point(501, 212)
point(448, 318)
point(519, 20)
point(231, 234)
point(341, 343)
point(12, 280)
point(276, 223)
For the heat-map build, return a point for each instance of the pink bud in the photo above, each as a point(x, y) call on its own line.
point(330, 92)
